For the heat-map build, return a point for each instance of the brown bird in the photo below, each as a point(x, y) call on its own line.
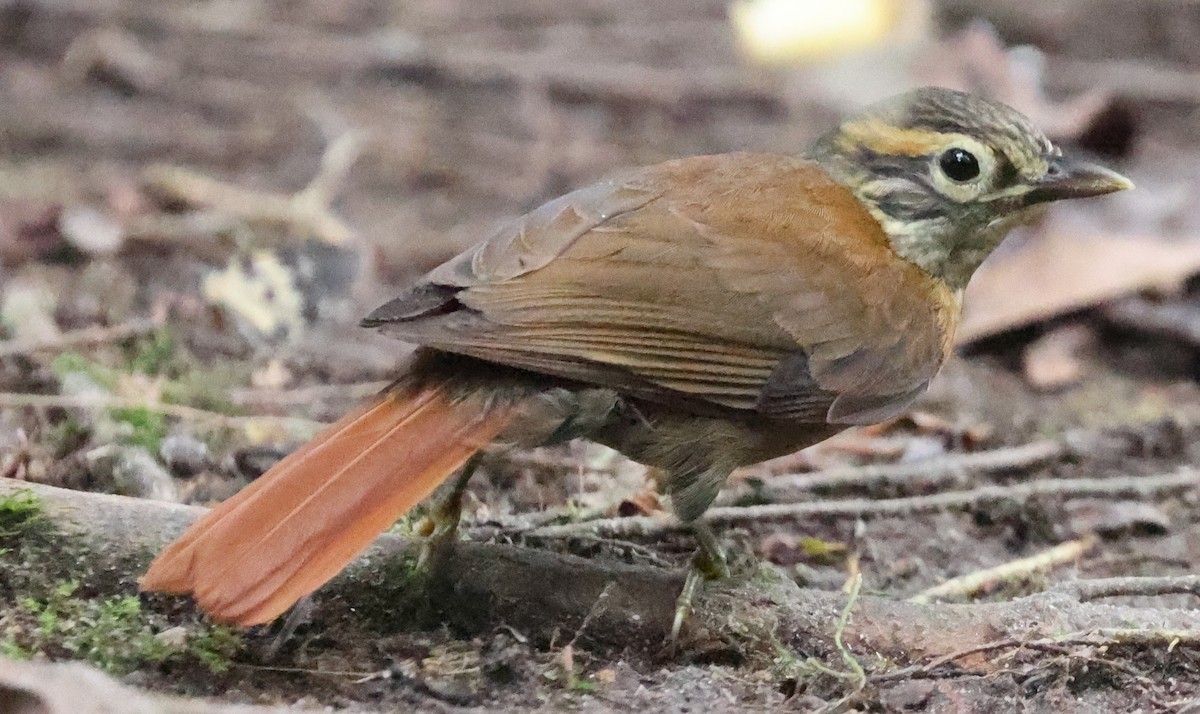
point(697, 316)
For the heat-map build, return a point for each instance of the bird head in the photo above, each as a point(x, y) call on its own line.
point(947, 174)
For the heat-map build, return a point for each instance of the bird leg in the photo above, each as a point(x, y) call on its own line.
point(707, 564)
point(441, 523)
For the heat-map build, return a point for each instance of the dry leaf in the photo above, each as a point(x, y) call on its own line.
point(1061, 270)
point(645, 503)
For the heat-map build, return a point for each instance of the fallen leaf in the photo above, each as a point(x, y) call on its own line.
point(27, 304)
point(642, 504)
point(1062, 270)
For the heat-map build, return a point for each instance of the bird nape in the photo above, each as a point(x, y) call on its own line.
point(697, 315)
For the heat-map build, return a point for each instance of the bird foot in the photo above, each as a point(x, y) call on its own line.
point(440, 525)
point(707, 564)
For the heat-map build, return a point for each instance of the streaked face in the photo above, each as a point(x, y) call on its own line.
point(946, 174)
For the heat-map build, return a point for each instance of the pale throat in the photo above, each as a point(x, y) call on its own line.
point(944, 248)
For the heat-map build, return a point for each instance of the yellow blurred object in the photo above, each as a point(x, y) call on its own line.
point(261, 292)
point(779, 31)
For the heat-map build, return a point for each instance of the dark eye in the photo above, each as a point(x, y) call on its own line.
point(959, 164)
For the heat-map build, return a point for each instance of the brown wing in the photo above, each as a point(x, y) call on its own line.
point(744, 281)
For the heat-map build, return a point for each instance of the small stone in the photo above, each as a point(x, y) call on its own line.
point(27, 305)
point(131, 471)
point(923, 447)
point(907, 696)
point(184, 454)
point(174, 637)
point(90, 230)
point(253, 461)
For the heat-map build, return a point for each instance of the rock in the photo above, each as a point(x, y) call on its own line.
point(184, 454)
point(90, 230)
point(131, 471)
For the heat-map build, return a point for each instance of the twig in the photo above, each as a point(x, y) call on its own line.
point(971, 583)
point(89, 401)
point(306, 395)
point(527, 524)
point(308, 209)
point(857, 673)
point(601, 602)
point(1096, 588)
point(80, 338)
point(645, 526)
point(934, 470)
point(945, 659)
point(1093, 638)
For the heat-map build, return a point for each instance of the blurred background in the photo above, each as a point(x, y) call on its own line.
point(150, 152)
point(198, 200)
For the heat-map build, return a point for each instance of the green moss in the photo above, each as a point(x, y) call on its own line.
point(182, 380)
point(67, 436)
point(18, 511)
point(10, 649)
point(216, 646)
point(112, 633)
point(207, 387)
point(62, 606)
point(73, 362)
point(147, 428)
point(155, 354)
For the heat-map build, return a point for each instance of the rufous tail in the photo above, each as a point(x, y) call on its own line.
point(253, 556)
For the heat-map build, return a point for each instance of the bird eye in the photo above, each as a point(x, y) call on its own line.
point(959, 164)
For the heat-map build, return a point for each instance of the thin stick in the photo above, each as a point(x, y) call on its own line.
point(968, 585)
point(1096, 588)
point(306, 395)
point(942, 468)
point(80, 338)
point(646, 526)
point(308, 209)
point(1097, 637)
point(89, 401)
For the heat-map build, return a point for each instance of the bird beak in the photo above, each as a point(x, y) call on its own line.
point(1067, 178)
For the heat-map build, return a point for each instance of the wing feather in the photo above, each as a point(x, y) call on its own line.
point(744, 281)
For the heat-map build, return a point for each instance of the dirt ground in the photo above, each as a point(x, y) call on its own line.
point(199, 200)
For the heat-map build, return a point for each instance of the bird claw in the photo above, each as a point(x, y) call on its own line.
point(708, 563)
point(434, 530)
point(440, 525)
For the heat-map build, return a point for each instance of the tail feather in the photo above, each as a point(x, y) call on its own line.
point(294, 528)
